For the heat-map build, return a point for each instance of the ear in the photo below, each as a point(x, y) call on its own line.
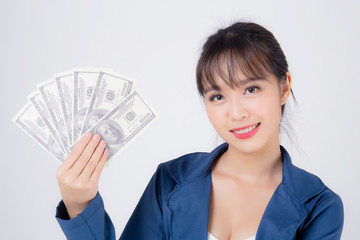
point(285, 88)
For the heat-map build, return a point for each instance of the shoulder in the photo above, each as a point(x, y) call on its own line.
point(325, 216)
point(311, 192)
point(316, 197)
point(322, 205)
point(300, 183)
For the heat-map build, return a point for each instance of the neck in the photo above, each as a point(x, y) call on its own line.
point(262, 165)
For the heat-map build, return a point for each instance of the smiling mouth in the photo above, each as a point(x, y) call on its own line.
point(245, 130)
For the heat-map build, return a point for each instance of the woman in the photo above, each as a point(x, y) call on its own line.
point(244, 188)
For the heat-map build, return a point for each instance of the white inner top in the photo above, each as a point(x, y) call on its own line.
point(211, 237)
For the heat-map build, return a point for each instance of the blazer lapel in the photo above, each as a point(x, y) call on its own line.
point(281, 217)
point(285, 211)
point(187, 206)
point(189, 210)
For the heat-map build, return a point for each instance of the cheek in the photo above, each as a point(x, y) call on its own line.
point(210, 113)
point(270, 108)
point(214, 115)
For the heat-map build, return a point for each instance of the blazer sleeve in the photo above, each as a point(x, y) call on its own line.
point(147, 222)
point(92, 223)
point(325, 221)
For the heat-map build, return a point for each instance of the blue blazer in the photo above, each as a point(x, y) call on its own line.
point(175, 205)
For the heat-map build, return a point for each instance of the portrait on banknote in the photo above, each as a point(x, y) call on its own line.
point(112, 133)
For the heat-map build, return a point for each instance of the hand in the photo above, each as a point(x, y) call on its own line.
point(79, 174)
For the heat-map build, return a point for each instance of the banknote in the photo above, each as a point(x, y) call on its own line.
point(110, 90)
point(124, 122)
point(37, 101)
point(84, 83)
point(70, 103)
point(65, 86)
point(50, 94)
point(31, 123)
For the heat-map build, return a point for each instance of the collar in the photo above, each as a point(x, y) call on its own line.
point(303, 185)
point(188, 204)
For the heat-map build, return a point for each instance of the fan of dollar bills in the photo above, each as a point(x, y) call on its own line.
point(68, 105)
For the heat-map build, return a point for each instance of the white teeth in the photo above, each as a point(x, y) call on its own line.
point(246, 130)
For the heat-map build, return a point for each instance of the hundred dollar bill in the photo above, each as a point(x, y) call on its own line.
point(31, 123)
point(50, 94)
point(65, 87)
point(37, 101)
point(110, 90)
point(124, 122)
point(84, 83)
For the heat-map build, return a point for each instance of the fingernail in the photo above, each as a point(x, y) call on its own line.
point(96, 137)
point(88, 135)
point(102, 143)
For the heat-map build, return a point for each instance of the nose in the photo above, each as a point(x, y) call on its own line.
point(237, 110)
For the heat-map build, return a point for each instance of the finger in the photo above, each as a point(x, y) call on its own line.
point(97, 171)
point(77, 151)
point(86, 155)
point(94, 160)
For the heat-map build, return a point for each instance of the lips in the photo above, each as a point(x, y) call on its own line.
point(245, 132)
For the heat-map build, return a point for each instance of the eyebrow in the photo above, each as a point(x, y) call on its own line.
point(238, 83)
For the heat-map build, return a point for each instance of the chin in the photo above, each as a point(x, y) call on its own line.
point(248, 146)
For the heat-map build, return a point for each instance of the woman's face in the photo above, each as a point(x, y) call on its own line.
point(255, 105)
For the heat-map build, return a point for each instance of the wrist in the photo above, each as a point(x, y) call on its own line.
point(74, 209)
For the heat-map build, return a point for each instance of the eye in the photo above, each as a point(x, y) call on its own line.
point(252, 89)
point(216, 98)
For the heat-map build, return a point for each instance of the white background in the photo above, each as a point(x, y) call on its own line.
point(158, 43)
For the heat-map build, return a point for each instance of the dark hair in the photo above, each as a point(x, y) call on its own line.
point(243, 46)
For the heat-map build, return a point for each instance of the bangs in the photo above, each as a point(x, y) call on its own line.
point(225, 60)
